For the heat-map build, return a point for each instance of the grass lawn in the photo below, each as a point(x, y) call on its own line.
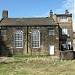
point(36, 66)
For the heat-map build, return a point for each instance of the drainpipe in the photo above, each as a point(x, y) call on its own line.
point(59, 43)
point(27, 39)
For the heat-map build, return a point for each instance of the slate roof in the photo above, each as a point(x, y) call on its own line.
point(27, 21)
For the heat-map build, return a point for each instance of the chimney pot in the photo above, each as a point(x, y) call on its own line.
point(66, 11)
point(5, 14)
point(51, 13)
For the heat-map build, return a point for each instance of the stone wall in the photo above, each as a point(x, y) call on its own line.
point(45, 40)
point(67, 55)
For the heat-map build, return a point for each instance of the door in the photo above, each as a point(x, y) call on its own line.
point(51, 49)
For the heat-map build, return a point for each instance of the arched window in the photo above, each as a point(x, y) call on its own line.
point(18, 39)
point(35, 38)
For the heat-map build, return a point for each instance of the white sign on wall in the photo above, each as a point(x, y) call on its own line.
point(51, 49)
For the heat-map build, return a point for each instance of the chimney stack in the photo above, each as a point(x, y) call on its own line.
point(5, 14)
point(51, 13)
point(66, 11)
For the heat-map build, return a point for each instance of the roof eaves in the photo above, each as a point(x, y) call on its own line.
point(63, 14)
point(30, 25)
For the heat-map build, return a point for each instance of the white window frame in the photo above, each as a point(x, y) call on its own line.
point(35, 30)
point(64, 31)
point(51, 31)
point(18, 32)
point(3, 32)
point(63, 19)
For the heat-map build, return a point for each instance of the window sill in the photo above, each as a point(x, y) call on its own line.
point(18, 48)
point(35, 47)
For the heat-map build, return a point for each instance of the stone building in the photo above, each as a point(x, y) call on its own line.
point(65, 29)
point(35, 36)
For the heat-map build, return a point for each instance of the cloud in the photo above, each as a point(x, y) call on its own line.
point(67, 4)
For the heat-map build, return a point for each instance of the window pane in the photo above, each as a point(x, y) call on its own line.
point(18, 39)
point(35, 38)
point(64, 31)
point(63, 19)
point(51, 32)
point(3, 32)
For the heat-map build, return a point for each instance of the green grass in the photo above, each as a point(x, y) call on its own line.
point(37, 66)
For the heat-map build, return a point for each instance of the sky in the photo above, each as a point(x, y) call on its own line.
point(36, 8)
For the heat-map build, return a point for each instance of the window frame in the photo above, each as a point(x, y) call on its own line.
point(15, 33)
point(35, 40)
point(3, 33)
point(64, 31)
point(63, 19)
point(51, 30)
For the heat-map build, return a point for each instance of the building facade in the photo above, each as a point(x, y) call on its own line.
point(65, 29)
point(35, 36)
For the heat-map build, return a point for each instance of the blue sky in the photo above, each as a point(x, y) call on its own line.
point(36, 8)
